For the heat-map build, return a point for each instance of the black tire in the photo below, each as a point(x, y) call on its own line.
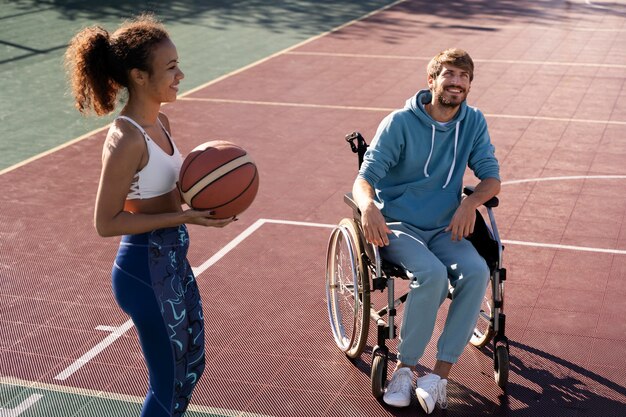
point(378, 375)
point(501, 366)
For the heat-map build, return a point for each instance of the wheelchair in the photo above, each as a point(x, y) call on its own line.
point(355, 269)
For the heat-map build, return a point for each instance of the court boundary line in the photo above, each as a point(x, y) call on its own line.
point(566, 178)
point(207, 84)
point(91, 353)
point(507, 241)
point(477, 60)
point(297, 45)
point(21, 407)
point(389, 109)
point(64, 389)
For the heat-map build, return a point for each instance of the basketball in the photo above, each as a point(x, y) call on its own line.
point(219, 176)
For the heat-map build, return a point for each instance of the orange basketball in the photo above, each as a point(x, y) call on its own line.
point(219, 176)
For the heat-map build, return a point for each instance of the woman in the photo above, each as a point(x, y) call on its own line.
point(138, 198)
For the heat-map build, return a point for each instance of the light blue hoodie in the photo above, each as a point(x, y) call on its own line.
point(416, 165)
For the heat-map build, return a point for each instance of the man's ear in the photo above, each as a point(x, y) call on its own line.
point(138, 76)
point(431, 82)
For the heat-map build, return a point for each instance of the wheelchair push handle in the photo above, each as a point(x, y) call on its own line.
point(360, 147)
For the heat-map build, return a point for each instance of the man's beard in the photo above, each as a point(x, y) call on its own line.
point(445, 102)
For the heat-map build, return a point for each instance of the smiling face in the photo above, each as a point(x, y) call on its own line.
point(451, 87)
point(165, 75)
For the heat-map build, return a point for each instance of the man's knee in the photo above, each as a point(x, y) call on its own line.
point(433, 275)
point(475, 272)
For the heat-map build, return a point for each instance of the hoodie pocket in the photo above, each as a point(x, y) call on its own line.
point(423, 207)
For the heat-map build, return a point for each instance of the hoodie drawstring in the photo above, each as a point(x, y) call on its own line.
point(456, 140)
point(432, 146)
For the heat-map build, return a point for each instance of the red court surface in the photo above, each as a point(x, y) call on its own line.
point(550, 77)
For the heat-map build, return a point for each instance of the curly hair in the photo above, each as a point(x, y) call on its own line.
point(453, 56)
point(99, 63)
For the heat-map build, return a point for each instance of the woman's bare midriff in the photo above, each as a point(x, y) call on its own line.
point(166, 203)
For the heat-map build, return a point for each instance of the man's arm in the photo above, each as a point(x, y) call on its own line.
point(462, 223)
point(374, 225)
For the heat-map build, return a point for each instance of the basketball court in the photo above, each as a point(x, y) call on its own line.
point(550, 78)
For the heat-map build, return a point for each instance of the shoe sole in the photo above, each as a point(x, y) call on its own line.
point(424, 406)
point(400, 405)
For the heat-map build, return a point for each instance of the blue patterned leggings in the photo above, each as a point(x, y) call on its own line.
point(154, 284)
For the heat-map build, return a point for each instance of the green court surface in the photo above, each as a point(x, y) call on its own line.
point(24, 399)
point(213, 38)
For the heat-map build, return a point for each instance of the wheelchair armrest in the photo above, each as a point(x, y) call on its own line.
point(347, 198)
point(491, 203)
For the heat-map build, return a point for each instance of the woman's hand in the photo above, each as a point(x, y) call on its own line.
point(205, 218)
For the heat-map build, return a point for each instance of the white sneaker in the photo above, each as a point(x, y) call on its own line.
point(431, 389)
point(398, 392)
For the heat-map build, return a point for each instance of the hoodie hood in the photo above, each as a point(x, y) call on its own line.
point(416, 105)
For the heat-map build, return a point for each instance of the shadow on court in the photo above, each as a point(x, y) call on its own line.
point(541, 384)
point(277, 15)
point(213, 39)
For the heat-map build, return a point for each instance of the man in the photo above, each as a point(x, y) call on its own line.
point(409, 193)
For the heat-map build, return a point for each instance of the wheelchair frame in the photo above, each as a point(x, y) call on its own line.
point(364, 260)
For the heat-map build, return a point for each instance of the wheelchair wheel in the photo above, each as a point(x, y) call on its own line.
point(501, 366)
point(378, 375)
point(347, 289)
point(483, 332)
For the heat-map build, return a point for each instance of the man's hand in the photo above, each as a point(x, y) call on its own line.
point(462, 223)
point(374, 226)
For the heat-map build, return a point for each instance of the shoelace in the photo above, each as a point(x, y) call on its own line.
point(442, 395)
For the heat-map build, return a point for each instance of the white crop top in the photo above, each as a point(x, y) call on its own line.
point(160, 174)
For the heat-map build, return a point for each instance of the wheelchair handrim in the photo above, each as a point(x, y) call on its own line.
point(343, 341)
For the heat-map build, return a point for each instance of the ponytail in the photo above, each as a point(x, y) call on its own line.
point(88, 60)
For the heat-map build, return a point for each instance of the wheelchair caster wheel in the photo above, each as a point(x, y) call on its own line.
point(378, 374)
point(501, 366)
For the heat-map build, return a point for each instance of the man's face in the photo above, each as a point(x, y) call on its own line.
point(451, 87)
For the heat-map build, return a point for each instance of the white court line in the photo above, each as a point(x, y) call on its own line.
point(389, 109)
point(572, 177)
point(294, 223)
point(598, 6)
point(287, 104)
point(509, 242)
point(23, 406)
point(477, 60)
point(230, 246)
point(245, 234)
point(83, 360)
point(106, 328)
point(566, 247)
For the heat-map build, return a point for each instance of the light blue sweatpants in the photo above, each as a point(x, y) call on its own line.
point(435, 259)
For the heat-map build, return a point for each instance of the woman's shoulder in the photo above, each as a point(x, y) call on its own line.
point(123, 136)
